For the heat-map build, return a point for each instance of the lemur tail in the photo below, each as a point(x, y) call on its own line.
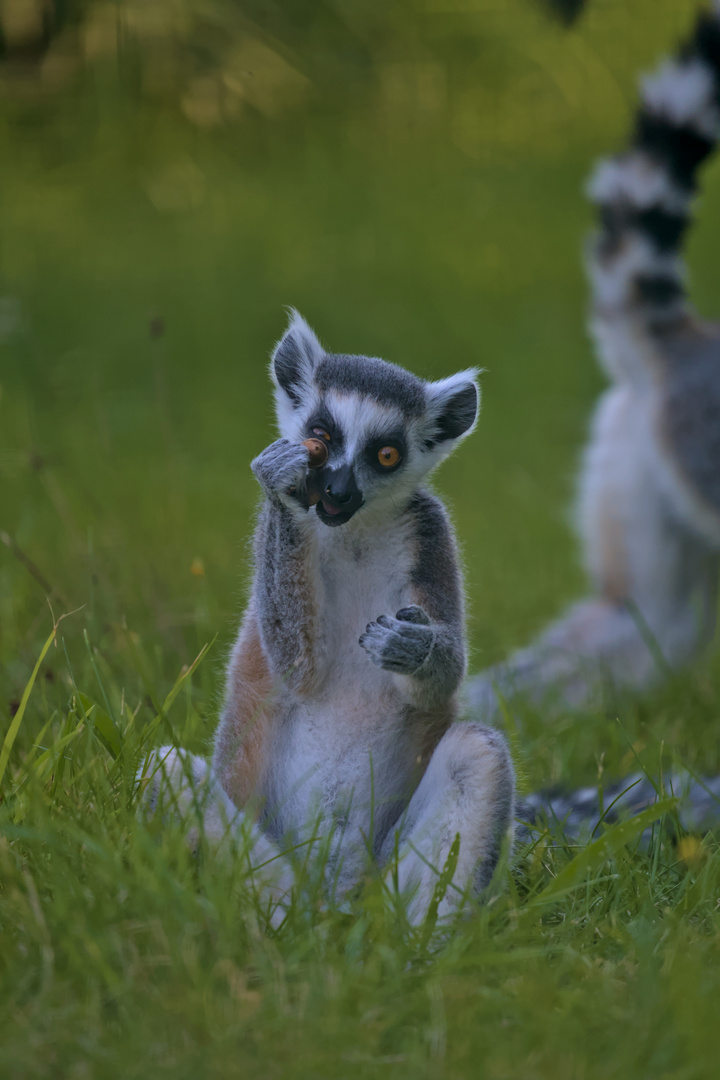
point(580, 814)
point(644, 194)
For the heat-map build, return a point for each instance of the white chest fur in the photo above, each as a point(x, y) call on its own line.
point(362, 574)
point(348, 744)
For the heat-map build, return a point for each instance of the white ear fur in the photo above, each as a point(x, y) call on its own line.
point(453, 406)
point(294, 359)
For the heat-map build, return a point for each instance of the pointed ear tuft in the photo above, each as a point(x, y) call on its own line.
point(295, 357)
point(453, 405)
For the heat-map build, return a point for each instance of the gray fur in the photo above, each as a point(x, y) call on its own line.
point(286, 604)
point(580, 814)
point(354, 739)
point(467, 790)
point(295, 357)
point(398, 645)
point(691, 408)
point(281, 466)
point(648, 507)
point(385, 383)
point(435, 569)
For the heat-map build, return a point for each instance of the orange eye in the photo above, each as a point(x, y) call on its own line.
point(388, 456)
point(321, 433)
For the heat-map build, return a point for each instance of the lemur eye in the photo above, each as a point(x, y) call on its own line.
point(388, 456)
point(321, 433)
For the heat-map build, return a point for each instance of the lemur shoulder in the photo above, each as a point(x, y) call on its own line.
point(341, 716)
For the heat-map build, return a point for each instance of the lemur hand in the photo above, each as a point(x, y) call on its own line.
point(402, 644)
point(281, 469)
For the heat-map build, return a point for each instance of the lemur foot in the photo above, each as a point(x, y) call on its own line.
point(181, 785)
point(281, 468)
point(401, 644)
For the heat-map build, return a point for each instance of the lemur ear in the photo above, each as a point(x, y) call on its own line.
point(295, 357)
point(453, 405)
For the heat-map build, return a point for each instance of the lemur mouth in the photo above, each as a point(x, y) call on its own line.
point(333, 515)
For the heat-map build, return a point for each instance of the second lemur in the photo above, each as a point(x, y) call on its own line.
point(341, 718)
point(649, 494)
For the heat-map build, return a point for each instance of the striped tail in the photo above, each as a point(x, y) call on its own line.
point(580, 814)
point(644, 194)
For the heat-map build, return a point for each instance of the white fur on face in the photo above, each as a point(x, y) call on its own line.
point(362, 420)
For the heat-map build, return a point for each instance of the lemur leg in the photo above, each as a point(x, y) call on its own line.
point(182, 785)
point(467, 790)
point(655, 580)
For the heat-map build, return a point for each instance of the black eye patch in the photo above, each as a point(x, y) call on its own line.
point(323, 422)
point(385, 455)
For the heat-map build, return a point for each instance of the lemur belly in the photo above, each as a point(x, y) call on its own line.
point(349, 729)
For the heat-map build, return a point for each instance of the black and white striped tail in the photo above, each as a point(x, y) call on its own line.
point(644, 194)
point(580, 814)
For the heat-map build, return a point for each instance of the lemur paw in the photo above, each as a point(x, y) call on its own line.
point(401, 644)
point(282, 467)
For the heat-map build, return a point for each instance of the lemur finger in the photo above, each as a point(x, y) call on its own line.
point(405, 629)
point(413, 614)
point(395, 646)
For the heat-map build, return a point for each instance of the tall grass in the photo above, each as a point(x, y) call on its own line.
point(122, 952)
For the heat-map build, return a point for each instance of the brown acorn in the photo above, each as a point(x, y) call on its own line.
point(317, 451)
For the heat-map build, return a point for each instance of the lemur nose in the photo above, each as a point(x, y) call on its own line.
point(340, 498)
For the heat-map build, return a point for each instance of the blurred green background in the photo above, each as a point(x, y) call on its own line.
point(409, 175)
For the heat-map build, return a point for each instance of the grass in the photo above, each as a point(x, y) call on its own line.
point(124, 954)
point(143, 270)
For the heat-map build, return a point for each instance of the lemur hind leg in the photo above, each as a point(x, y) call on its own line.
point(467, 791)
point(182, 785)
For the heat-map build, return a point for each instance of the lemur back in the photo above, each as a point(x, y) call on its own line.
point(341, 712)
point(648, 507)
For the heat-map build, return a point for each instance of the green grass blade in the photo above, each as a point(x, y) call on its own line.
point(186, 675)
point(17, 719)
point(596, 853)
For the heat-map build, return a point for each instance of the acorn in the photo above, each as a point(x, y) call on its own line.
point(318, 454)
point(317, 451)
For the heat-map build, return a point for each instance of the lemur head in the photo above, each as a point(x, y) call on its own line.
point(385, 429)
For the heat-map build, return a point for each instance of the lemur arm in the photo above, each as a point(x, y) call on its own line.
point(275, 648)
point(286, 572)
point(425, 642)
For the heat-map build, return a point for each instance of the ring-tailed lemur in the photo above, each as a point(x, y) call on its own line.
point(649, 493)
point(341, 712)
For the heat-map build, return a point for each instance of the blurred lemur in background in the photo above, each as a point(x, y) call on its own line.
point(341, 699)
point(649, 492)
